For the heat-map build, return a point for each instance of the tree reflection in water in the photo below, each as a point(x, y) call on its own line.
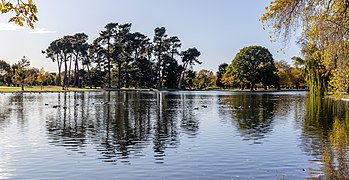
point(252, 113)
point(325, 137)
point(121, 125)
point(66, 127)
point(6, 109)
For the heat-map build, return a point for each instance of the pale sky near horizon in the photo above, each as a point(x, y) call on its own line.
point(219, 29)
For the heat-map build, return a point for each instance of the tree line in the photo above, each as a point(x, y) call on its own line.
point(20, 74)
point(121, 58)
point(135, 61)
point(252, 67)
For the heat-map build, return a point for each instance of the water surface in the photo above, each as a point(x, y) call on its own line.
point(172, 135)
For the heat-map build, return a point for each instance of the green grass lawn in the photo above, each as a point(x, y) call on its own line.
point(44, 89)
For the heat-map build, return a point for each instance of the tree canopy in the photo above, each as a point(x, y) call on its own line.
point(252, 65)
point(204, 79)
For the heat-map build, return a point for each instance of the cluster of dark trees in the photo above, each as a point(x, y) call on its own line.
point(139, 65)
point(122, 58)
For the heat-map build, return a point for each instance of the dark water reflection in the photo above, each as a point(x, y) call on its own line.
point(172, 135)
point(252, 114)
point(122, 124)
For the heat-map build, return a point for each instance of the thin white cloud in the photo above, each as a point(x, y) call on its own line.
point(11, 27)
point(17, 28)
point(41, 31)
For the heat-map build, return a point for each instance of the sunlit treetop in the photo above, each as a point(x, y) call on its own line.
point(318, 19)
point(24, 11)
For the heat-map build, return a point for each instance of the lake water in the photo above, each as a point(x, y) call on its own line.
point(172, 135)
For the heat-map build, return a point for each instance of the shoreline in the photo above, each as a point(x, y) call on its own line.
point(45, 89)
point(262, 90)
point(56, 89)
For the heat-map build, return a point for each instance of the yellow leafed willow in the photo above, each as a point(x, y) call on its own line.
point(24, 12)
point(324, 25)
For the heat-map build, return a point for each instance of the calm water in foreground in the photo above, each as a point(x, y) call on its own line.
point(172, 135)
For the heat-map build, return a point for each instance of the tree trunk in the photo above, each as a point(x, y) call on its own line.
point(109, 68)
point(182, 76)
point(89, 76)
point(159, 69)
point(180, 81)
point(65, 73)
point(151, 70)
point(119, 74)
point(78, 74)
point(127, 79)
point(81, 80)
point(75, 69)
point(59, 71)
point(162, 77)
point(69, 75)
point(159, 76)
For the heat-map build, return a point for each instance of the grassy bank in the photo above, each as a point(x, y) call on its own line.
point(6, 89)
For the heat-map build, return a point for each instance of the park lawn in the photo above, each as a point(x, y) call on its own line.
point(44, 89)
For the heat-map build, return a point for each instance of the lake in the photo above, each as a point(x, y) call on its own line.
point(173, 135)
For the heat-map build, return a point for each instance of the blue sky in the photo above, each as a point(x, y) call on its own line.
point(219, 29)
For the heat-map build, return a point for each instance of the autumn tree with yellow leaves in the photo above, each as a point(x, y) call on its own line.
point(324, 26)
point(24, 12)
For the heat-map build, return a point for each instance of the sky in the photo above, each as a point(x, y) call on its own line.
point(218, 29)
